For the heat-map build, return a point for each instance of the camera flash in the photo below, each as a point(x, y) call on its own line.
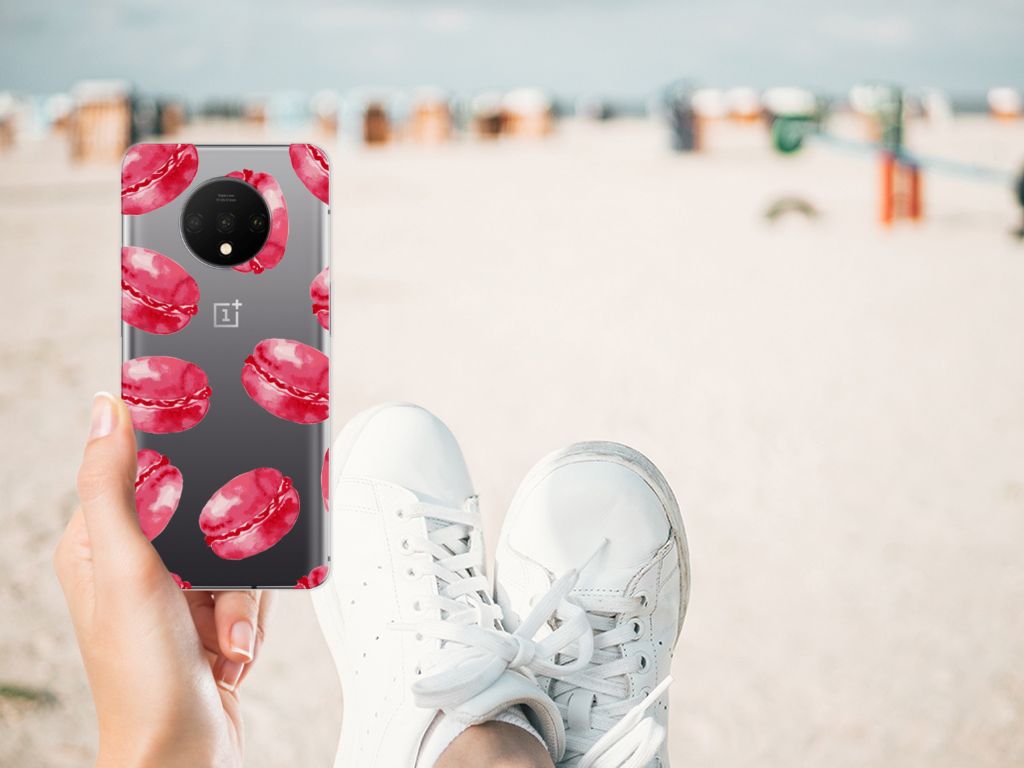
point(225, 249)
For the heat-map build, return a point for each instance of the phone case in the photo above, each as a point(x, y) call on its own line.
point(225, 369)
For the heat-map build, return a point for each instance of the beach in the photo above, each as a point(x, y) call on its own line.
point(838, 407)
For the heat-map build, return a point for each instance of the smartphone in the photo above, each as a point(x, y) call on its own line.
point(225, 314)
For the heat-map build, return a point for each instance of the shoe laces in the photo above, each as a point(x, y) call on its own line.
point(631, 743)
point(606, 726)
point(474, 650)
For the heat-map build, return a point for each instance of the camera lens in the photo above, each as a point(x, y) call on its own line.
point(225, 223)
point(194, 222)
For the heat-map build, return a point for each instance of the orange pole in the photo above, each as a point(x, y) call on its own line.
point(885, 211)
point(916, 207)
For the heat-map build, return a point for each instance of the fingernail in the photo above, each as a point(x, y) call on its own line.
point(229, 673)
point(103, 414)
point(243, 638)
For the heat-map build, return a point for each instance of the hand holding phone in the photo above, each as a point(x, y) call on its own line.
point(164, 665)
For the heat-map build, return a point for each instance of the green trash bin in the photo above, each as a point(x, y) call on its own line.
point(788, 132)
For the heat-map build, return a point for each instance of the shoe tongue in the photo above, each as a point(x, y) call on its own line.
point(432, 524)
point(588, 587)
point(435, 524)
point(512, 689)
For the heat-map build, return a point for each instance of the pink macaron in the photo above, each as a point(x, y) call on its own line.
point(312, 579)
point(158, 485)
point(312, 168)
point(182, 584)
point(153, 175)
point(164, 394)
point(320, 296)
point(273, 250)
point(250, 513)
point(157, 294)
point(289, 379)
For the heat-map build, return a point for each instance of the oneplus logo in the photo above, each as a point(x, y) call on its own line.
point(225, 313)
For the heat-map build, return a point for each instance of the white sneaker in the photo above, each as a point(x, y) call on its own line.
point(407, 612)
point(606, 506)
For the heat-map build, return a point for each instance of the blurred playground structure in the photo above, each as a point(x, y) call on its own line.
point(99, 119)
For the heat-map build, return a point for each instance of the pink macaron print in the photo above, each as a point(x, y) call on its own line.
point(157, 294)
point(320, 296)
point(154, 174)
point(312, 168)
point(273, 250)
point(289, 379)
point(182, 584)
point(312, 579)
point(158, 486)
point(164, 394)
point(250, 514)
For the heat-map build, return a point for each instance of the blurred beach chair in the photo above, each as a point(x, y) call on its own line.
point(376, 124)
point(172, 117)
point(709, 104)
point(430, 121)
point(743, 105)
point(8, 118)
point(153, 118)
point(101, 120)
point(683, 123)
point(254, 114)
point(709, 107)
point(527, 112)
point(1005, 103)
point(486, 116)
point(325, 114)
point(58, 110)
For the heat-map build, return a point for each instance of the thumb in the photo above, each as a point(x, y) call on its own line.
point(106, 484)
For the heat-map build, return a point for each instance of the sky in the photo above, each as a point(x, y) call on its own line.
point(617, 49)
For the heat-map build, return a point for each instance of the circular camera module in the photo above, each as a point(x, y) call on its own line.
point(225, 202)
point(194, 222)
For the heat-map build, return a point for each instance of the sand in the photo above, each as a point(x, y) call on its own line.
point(840, 410)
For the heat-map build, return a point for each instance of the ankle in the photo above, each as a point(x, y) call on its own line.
point(497, 745)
